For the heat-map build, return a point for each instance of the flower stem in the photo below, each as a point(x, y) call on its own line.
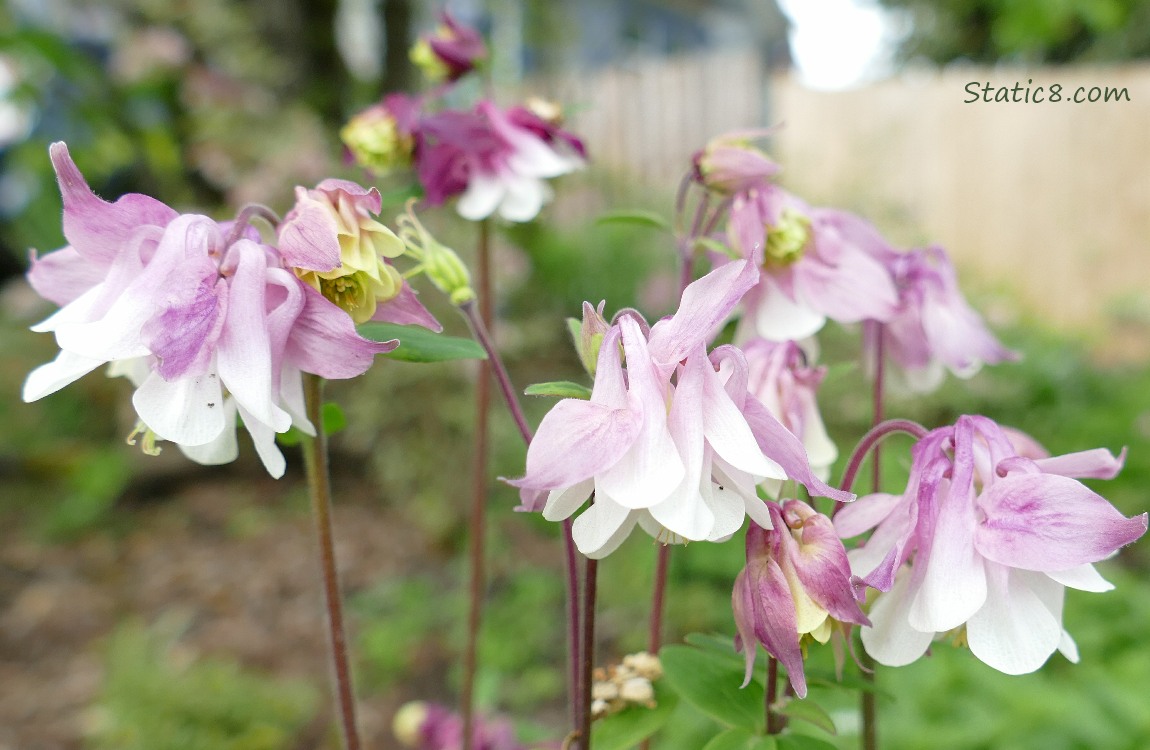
point(319, 485)
point(774, 721)
point(869, 440)
point(244, 220)
point(477, 526)
point(868, 705)
point(511, 398)
point(590, 575)
point(655, 639)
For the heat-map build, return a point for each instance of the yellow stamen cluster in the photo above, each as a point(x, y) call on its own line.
point(374, 140)
point(787, 240)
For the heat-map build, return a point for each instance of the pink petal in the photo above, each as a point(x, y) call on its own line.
point(95, 228)
point(406, 309)
point(576, 440)
point(308, 237)
point(864, 514)
point(64, 275)
point(778, 444)
point(1093, 464)
point(323, 340)
point(1048, 522)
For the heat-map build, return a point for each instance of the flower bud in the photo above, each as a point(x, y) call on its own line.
point(588, 335)
point(730, 164)
point(441, 264)
point(450, 53)
point(381, 138)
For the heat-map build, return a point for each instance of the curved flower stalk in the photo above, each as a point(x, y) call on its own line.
point(681, 460)
point(794, 589)
point(815, 265)
point(207, 321)
point(984, 540)
point(779, 377)
point(934, 328)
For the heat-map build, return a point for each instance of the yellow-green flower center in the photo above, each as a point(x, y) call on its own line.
point(787, 240)
point(375, 142)
point(424, 58)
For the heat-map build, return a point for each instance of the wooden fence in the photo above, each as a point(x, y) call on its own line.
point(1052, 198)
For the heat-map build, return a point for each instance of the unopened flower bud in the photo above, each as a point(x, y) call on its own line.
point(731, 164)
point(441, 264)
point(451, 52)
point(380, 138)
point(588, 335)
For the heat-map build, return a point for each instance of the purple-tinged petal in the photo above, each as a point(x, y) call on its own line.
point(684, 512)
point(651, 469)
point(323, 340)
point(63, 275)
point(706, 303)
point(244, 356)
point(865, 513)
point(1015, 632)
point(183, 335)
point(95, 228)
point(406, 309)
point(782, 447)
point(1047, 522)
point(820, 562)
point(309, 236)
point(576, 440)
point(726, 428)
point(1093, 464)
point(776, 625)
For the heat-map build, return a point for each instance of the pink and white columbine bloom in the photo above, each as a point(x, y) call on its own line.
point(815, 265)
point(204, 319)
point(681, 460)
point(934, 327)
point(495, 162)
point(796, 586)
point(780, 377)
point(987, 540)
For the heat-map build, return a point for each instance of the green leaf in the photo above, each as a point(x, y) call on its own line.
point(720, 645)
point(635, 216)
point(710, 683)
point(560, 388)
point(803, 742)
point(740, 739)
point(417, 344)
point(632, 725)
point(334, 420)
point(808, 711)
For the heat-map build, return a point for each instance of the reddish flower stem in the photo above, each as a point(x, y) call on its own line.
point(477, 582)
point(319, 486)
point(590, 576)
point(869, 440)
point(775, 722)
point(244, 220)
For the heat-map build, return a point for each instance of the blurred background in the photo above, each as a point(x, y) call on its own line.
point(151, 603)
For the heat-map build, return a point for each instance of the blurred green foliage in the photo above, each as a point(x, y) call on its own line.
point(157, 698)
point(1025, 31)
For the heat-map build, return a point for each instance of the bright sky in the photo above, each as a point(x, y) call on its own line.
point(838, 44)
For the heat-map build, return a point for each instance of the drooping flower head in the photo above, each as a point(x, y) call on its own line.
point(681, 460)
point(382, 138)
point(983, 543)
point(780, 377)
point(450, 52)
point(815, 265)
point(933, 326)
point(205, 320)
point(492, 162)
point(794, 589)
point(430, 726)
point(732, 164)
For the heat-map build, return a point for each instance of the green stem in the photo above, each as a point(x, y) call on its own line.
point(319, 486)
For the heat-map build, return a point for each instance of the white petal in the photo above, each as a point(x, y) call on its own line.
point(224, 449)
point(562, 503)
point(187, 411)
point(66, 369)
point(599, 530)
point(1083, 578)
point(685, 513)
point(729, 508)
point(484, 192)
point(525, 197)
point(891, 640)
point(779, 318)
point(1015, 631)
point(264, 439)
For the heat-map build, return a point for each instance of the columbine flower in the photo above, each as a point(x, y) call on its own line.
point(204, 319)
point(682, 461)
point(430, 726)
point(992, 539)
point(795, 588)
point(933, 326)
point(815, 265)
point(332, 240)
point(451, 52)
point(382, 138)
point(779, 377)
point(731, 164)
point(491, 162)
